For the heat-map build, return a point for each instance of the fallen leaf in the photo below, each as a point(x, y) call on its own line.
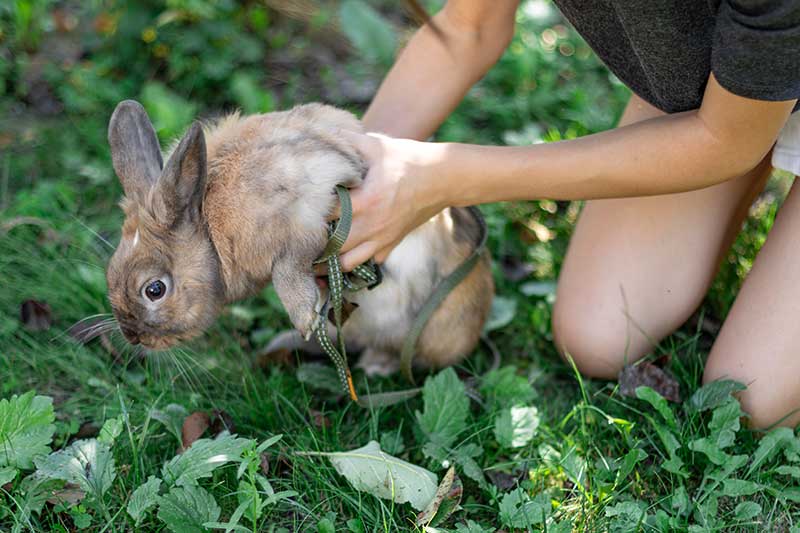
point(87, 430)
point(221, 421)
point(446, 500)
point(347, 310)
point(193, 428)
point(649, 375)
point(264, 463)
point(71, 494)
point(35, 315)
point(279, 357)
point(319, 419)
point(370, 470)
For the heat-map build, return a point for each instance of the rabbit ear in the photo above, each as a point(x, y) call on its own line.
point(183, 182)
point(135, 152)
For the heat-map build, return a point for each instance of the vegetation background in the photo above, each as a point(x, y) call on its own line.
point(581, 457)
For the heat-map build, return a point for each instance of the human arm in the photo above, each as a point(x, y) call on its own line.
point(409, 181)
point(435, 70)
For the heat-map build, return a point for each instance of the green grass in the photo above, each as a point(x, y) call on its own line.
point(597, 461)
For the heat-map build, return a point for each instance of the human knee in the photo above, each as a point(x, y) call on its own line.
point(593, 342)
point(764, 407)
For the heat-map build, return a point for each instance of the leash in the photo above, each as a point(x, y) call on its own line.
point(368, 275)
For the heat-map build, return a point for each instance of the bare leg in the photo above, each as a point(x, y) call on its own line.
point(638, 267)
point(759, 344)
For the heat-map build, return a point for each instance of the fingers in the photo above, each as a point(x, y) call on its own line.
point(368, 145)
point(358, 255)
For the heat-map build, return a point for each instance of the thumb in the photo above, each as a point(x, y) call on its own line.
point(369, 145)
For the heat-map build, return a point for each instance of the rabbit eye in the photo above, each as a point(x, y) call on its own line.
point(155, 290)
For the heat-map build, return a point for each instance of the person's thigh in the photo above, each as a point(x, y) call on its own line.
point(759, 344)
point(636, 268)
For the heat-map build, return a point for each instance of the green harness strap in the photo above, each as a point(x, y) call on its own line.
point(369, 275)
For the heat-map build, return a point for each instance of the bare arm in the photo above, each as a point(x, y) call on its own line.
point(409, 180)
point(433, 72)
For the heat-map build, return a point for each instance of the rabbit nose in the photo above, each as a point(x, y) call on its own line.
point(130, 335)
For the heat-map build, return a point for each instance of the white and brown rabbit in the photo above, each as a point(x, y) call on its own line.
point(244, 202)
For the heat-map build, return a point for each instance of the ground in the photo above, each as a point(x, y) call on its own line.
point(535, 446)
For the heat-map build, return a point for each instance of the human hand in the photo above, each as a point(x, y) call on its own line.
point(397, 195)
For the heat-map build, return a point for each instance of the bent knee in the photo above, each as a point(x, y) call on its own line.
point(596, 344)
point(764, 403)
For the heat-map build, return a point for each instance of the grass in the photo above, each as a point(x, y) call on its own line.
point(597, 461)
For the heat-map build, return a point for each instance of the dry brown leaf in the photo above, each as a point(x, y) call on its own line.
point(221, 421)
point(70, 494)
point(648, 375)
point(193, 428)
point(36, 315)
point(319, 419)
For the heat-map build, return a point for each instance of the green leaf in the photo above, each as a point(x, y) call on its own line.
point(786, 470)
point(501, 314)
point(172, 417)
point(725, 423)
point(710, 449)
point(86, 463)
point(319, 376)
point(202, 458)
point(770, 445)
point(112, 428)
point(680, 501)
point(143, 499)
point(249, 94)
point(370, 470)
point(503, 387)
point(26, 429)
point(627, 516)
point(367, 31)
point(739, 487)
point(659, 404)
point(629, 463)
point(515, 427)
point(186, 509)
point(472, 527)
point(747, 511)
point(7, 475)
point(518, 510)
point(445, 408)
point(714, 394)
point(326, 525)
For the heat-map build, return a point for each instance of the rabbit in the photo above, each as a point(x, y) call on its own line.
point(245, 201)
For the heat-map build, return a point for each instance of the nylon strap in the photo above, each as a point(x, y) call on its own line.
point(369, 275)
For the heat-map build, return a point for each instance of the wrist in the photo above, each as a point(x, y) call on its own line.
point(431, 175)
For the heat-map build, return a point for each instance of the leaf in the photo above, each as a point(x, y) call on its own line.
point(7, 475)
point(26, 429)
point(193, 428)
point(202, 458)
point(629, 462)
point(169, 111)
point(69, 495)
point(786, 470)
point(319, 376)
point(725, 422)
point(172, 417)
point(747, 511)
point(249, 94)
point(739, 487)
point(86, 463)
point(710, 449)
point(392, 442)
point(370, 470)
point(444, 502)
point(35, 315)
point(646, 374)
point(712, 395)
point(187, 509)
point(501, 314)
point(518, 510)
point(367, 31)
point(445, 408)
point(659, 403)
point(472, 527)
point(112, 428)
point(143, 499)
point(515, 427)
point(538, 288)
point(503, 387)
point(628, 515)
point(770, 445)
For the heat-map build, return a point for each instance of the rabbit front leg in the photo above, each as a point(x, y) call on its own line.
point(297, 289)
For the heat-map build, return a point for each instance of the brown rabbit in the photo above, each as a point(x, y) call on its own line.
point(244, 202)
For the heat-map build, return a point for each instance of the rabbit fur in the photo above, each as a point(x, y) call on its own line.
point(243, 202)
